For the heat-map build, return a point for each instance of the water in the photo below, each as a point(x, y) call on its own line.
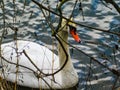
point(33, 26)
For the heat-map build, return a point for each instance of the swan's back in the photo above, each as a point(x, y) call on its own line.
point(42, 57)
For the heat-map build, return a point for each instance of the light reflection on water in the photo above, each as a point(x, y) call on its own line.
point(33, 26)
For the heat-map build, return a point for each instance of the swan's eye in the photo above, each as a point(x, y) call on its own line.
point(72, 28)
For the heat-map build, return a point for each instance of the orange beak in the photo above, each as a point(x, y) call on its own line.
point(74, 34)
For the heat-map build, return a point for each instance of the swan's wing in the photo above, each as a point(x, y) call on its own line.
point(26, 51)
point(23, 53)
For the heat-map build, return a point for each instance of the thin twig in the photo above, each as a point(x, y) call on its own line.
point(79, 24)
point(116, 72)
point(33, 62)
point(36, 74)
point(114, 4)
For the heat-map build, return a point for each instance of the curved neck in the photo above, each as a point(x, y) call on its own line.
point(63, 36)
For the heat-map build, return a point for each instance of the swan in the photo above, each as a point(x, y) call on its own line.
point(40, 62)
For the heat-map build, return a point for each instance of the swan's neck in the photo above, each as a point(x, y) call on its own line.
point(62, 56)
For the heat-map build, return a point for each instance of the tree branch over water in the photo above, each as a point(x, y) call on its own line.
point(114, 4)
point(80, 24)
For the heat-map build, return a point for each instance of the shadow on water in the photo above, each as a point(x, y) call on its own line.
point(91, 75)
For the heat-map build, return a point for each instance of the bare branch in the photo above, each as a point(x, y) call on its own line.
point(114, 4)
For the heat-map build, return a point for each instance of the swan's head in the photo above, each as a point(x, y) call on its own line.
point(72, 29)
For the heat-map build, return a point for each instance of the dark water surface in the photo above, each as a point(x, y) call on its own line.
point(32, 26)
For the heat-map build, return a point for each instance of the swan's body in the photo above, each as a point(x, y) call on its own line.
point(44, 59)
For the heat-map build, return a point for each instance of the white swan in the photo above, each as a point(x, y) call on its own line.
point(43, 58)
